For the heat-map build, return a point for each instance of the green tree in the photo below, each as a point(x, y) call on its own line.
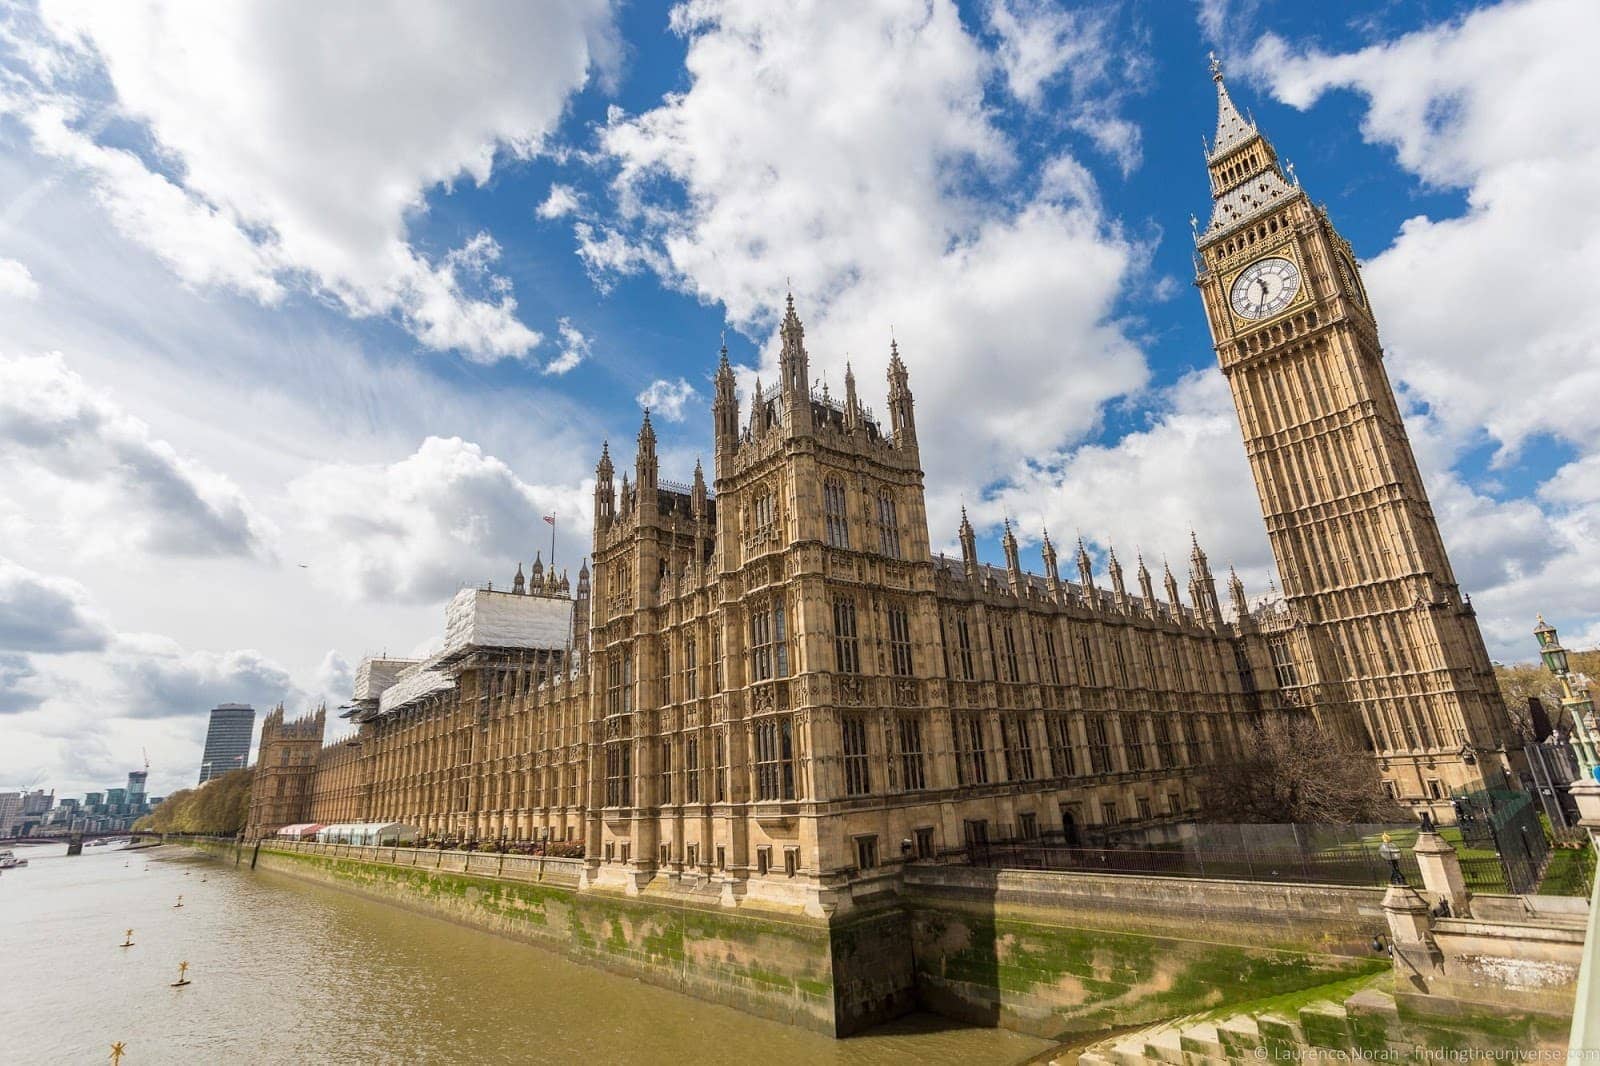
point(218, 807)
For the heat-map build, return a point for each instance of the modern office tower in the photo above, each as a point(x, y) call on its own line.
point(227, 740)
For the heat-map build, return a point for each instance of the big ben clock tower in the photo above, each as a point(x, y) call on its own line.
point(1384, 646)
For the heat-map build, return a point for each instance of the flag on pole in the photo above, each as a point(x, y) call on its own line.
point(551, 518)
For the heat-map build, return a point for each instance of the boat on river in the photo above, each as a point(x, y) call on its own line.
point(9, 860)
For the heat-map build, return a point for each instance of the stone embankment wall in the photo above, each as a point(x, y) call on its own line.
point(777, 966)
point(1047, 953)
point(1369, 1026)
point(1054, 954)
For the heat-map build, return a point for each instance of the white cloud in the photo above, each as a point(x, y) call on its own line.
point(851, 150)
point(156, 678)
point(574, 349)
point(16, 281)
point(562, 201)
point(40, 613)
point(292, 149)
point(667, 398)
point(116, 485)
point(416, 530)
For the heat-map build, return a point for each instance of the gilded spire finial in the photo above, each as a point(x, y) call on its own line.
point(1216, 66)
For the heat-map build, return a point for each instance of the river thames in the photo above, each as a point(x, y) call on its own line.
point(284, 971)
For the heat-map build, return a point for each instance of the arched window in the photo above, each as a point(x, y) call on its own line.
point(888, 526)
point(833, 510)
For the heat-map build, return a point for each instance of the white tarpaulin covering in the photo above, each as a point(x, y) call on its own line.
point(484, 619)
point(367, 833)
point(413, 683)
point(373, 676)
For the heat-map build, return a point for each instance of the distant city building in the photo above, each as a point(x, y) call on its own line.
point(136, 780)
point(10, 811)
point(227, 740)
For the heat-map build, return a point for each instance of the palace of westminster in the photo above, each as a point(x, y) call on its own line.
point(769, 686)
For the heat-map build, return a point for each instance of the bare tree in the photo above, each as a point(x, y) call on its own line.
point(1292, 769)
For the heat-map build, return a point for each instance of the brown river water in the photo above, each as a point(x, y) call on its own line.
point(284, 971)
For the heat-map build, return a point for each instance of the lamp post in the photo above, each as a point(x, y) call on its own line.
point(1575, 699)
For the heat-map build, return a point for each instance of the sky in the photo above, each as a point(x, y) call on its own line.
point(309, 312)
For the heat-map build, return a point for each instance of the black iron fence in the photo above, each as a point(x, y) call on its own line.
point(1506, 823)
point(1349, 864)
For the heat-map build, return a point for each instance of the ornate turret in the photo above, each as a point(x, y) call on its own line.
point(697, 495)
point(794, 369)
point(725, 406)
point(1052, 572)
point(1245, 180)
point(645, 464)
point(852, 405)
point(1008, 541)
point(757, 422)
point(1085, 573)
point(518, 584)
point(580, 610)
point(538, 570)
point(1171, 584)
point(1202, 586)
point(1119, 591)
point(1241, 608)
point(1146, 591)
point(902, 407)
point(605, 493)
point(969, 547)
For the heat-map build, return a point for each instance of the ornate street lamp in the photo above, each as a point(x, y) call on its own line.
point(1574, 697)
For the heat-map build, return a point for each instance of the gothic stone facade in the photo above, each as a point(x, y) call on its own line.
point(286, 766)
point(780, 691)
point(1385, 645)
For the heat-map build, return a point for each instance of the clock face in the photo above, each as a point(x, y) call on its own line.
point(1264, 288)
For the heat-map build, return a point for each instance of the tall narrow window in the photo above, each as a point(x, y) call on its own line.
point(716, 659)
point(1052, 662)
point(1018, 747)
point(911, 768)
point(763, 513)
point(971, 766)
point(691, 771)
point(963, 648)
point(853, 737)
point(619, 774)
point(1059, 729)
point(900, 642)
point(846, 647)
point(1133, 741)
point(888, 526)
point(1008, 636)
point(833, 510)
point(666, 771)
point(1166, 754)
point(1283, 662)
point(769, 648)
point(719, 754)
point(691, 679)
point(1191, 740)
point(627, 681)
point(1099, 744)
point(666, 672)
point(775, 759)
point(1087, 650)
point(1122, 661)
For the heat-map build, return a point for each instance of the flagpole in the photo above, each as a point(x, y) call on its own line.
point(552, 540)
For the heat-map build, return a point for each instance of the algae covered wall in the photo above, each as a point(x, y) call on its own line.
point(776, 967)
point(1024, 959)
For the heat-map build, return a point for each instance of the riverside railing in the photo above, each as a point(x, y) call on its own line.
point(541, 869)
point(1346, 868)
